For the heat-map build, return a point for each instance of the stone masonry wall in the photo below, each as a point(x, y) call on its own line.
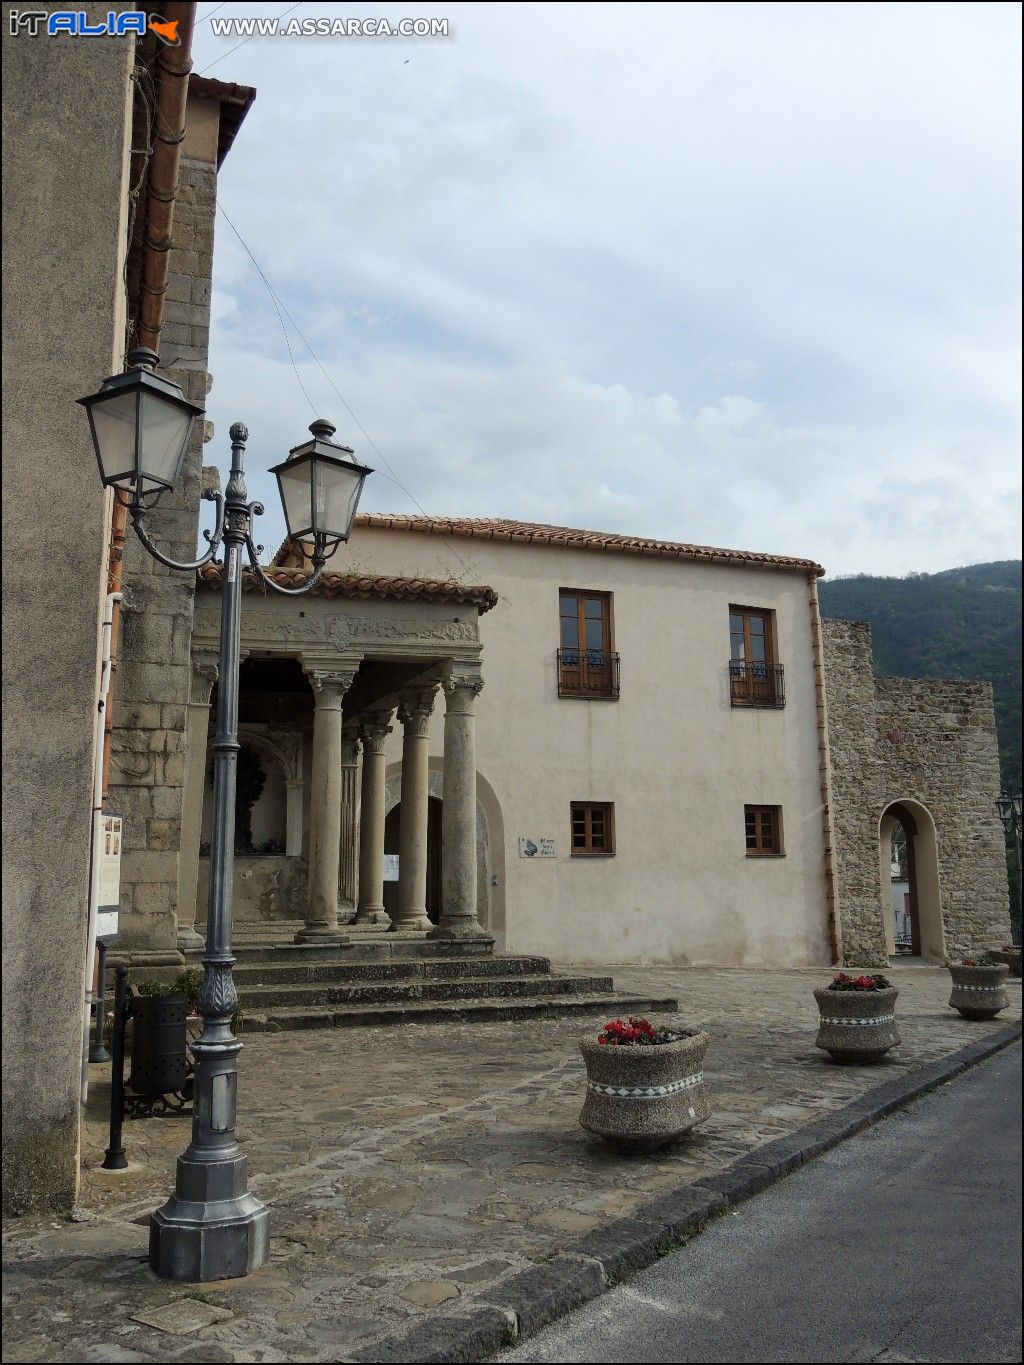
point(927, 740)
point(152, 682)
point(937, 743)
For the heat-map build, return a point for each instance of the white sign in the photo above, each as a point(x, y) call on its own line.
point(110, 876)
point(537, 848)
point(391, 867)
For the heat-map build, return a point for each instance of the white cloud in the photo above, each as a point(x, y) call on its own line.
point(734, 274)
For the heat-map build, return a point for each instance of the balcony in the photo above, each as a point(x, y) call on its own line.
point(592, 674)
point(757, 684)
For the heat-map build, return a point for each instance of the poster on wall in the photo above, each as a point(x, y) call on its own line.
point(110, 876)
point(536, 848)
point(391, 867)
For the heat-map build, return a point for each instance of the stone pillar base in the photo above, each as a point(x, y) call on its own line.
point(332, 938)
point(461, 930)
point(378, 918)
point(417, 921)
point(187, 940)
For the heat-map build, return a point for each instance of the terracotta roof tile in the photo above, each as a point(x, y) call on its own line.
point(532, 533)
point(365, 586)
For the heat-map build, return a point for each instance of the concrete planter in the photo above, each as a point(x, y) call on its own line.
point(642, 1098)
point(857, 1027)
point(1011, 956)
point(979, 992)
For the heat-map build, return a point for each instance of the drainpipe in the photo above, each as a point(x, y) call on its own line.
point(97, 829)
point(835, 930)
point(171, 68)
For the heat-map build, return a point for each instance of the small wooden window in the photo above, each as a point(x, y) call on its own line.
point(586, 665)
point(593, 829)
point(763, 830)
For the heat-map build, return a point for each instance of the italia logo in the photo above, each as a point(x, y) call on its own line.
point(75, 23)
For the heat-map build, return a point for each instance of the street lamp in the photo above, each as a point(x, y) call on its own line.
point(211, 1227)
point(1009, 808)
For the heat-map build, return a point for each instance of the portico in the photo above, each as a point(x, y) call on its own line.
point(365, 659)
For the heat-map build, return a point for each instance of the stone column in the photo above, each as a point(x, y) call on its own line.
point(414, 713)
point(329, 687)
point(197, 727)
point(374, 733)
point(458, 817)
point(293, 790)
point(348, 857)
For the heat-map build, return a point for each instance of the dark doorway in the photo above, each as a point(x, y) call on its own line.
point(392, 826)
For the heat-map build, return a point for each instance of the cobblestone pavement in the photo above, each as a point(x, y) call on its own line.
point(410, 1167)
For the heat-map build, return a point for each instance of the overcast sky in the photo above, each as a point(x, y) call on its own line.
point(740, 274)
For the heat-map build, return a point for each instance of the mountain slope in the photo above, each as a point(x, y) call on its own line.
point(961, 623)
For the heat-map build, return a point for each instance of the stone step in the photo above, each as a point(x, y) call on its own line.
point(263, 998)
point(376, 948)
point(249, 974)
point(552, 1006)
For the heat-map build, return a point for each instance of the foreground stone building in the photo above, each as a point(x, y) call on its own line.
point(93, 175)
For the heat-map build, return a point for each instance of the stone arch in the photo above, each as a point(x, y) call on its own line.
point(928, 935)
point(490, 841)
point(283, 765)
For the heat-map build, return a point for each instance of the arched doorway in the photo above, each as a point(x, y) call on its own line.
point(392, 826)
point(909, 867)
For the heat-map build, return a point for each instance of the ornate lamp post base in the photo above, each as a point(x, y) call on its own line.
point(206, 1237)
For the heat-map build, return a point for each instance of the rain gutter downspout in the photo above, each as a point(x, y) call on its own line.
point(173, 65)
point(835, 930)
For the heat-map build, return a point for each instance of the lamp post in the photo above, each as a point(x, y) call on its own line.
point(211, 1227)
point(1009, 808)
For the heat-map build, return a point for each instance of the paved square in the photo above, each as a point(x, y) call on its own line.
point(408, 1168)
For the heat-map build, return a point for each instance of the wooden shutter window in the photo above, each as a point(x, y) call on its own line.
point(592, 829)
point(762, 826)
point(586, 665)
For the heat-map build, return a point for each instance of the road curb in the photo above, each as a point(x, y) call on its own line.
point(519, 1306)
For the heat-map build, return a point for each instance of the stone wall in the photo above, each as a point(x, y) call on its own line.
point(66, 141)
point(931, 742)
point(147, 770)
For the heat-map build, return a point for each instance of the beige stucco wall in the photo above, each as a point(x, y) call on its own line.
point(678, 761)
point(65, 152)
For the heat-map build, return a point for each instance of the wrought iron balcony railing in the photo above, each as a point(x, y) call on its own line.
point(756, 684)
point(590, 673)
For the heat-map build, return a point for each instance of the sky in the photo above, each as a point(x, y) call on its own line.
point(744, 275)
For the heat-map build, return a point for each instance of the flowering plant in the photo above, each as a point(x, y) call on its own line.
point(637, 1031)
point(842, 982)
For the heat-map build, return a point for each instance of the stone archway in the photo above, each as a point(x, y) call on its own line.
point(490, 841)
point(392, 828)
point(927, 938)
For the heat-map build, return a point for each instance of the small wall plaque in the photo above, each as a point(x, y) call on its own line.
point(391, 867)
point(537, 848)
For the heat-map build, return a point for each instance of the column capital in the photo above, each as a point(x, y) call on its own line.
point(350, 743)
point(330, 679)
point(462, 684)
point(205, 671)
point(375, 726)
point(415, 708)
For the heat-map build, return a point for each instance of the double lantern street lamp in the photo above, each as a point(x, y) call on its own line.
point(211, 1227)
point(1009, 808)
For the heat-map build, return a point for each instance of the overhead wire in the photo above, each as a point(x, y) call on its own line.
point(277, 19)
point(281, 307)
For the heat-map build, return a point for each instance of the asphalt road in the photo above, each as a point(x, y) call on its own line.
point(902, 1244)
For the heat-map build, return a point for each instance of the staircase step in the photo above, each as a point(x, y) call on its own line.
point(248, 974)
point(368, 948)
point(552, 1006)
point(382, 993)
